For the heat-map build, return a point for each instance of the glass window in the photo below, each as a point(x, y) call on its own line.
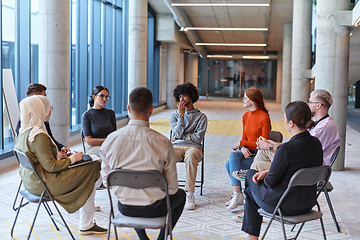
point(153, 52)
point(97, 56)
point(8, 62)
point(229, 78)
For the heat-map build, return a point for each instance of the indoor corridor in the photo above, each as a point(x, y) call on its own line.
point(210, 219)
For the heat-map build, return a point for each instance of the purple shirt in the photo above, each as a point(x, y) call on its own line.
point(327, 133)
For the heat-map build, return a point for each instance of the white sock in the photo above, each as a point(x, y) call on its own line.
point(190, 193)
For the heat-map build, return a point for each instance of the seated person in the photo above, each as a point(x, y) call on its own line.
point(264, 189)
point(325, 130)
point(98, 121)
point(188, 125)
point(137, 147)
point(256, 123)
point(39, 89)
point(72, 188)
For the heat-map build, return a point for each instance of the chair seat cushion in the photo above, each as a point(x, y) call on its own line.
point(312, 215)
point(139, 222)
point(31, 197)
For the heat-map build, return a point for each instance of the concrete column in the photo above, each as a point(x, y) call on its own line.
point(138, 12)
point(193, 62)
point(54, 57)
point(279, 77)
point(286, 66)
point(301, 49)
point(332, 64)
point(172, 73)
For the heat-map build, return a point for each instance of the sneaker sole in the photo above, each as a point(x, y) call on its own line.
point(91, 232)
point(237, 177)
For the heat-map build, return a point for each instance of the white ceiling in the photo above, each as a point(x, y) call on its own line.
point(273, 17)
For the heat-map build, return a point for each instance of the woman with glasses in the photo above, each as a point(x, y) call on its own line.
point(256, 123)
point(98, 121)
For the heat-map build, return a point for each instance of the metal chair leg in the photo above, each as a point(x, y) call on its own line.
point(331, 210)
point(16, 196)
point(48, 210)
point(16, 216)
point(62, 218)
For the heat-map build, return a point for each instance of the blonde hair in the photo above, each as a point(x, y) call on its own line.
point(324, 96)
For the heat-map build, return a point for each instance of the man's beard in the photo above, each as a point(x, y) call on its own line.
point(186, 104)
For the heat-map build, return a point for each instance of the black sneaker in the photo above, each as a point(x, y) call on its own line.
point(93, 230)
point(101, 187)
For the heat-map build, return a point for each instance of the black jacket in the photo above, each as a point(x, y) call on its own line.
point(302, 151)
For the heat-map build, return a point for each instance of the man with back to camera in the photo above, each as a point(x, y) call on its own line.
point(325, 130)
point(39, 89)
point(188, 126)
point(137, 147)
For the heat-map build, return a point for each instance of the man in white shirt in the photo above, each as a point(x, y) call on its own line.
point(137, 147)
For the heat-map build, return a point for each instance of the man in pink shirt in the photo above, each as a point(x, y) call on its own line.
point(325, 130)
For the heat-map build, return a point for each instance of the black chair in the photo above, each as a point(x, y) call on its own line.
point(198, 183)
point(303, 177)
point(44, 198)
point(276, 136)
point(328, 188)
point(138, 180)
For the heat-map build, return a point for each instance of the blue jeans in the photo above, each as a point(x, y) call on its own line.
point(237, 162)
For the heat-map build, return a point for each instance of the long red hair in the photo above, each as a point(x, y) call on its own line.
point(257, 97)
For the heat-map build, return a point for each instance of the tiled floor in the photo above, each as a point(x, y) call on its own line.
point(210, 219)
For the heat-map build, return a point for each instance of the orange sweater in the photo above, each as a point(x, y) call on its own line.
point(255, 124)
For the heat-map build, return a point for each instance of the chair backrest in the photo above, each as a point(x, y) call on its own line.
point(333, 157)
point(276, 136)
point(308, 177)
point(25, 161)
point(82, 141)
point(136, 179)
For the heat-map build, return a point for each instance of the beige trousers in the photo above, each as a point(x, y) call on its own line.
point(191, 156)
point(263, 159)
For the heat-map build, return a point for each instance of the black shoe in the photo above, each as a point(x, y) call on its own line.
point(101, 187)
point(93, 230)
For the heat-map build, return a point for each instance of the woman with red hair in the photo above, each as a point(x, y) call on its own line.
point(256, 123)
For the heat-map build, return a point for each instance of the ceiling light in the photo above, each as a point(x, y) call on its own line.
point(219, 56)
point(357, 22)
point(221, 29)
point(220, 4)
point(233, 44)
point(255, 57)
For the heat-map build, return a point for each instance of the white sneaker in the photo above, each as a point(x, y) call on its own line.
point(236, 200)
point(228, 202)
point(190, 202)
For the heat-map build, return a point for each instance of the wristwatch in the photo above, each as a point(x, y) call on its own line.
point(271, 147)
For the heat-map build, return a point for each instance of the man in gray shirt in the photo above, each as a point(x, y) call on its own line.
point(188, 126)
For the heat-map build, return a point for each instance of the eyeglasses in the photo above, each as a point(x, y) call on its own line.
point(283, 119)
point(104, 96)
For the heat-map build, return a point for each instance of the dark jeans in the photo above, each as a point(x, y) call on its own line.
point(157, 209)
point(252, 220)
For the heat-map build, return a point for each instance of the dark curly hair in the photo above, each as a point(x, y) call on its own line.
point(186, 89)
